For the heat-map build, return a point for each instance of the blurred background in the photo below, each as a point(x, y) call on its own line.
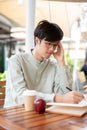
point(70, 16)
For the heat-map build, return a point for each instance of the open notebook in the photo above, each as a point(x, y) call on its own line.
point(70, 109)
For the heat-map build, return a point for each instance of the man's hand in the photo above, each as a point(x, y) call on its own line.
point(70, 97)
point(59, 54)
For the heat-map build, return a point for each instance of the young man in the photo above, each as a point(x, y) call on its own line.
point(36, 71)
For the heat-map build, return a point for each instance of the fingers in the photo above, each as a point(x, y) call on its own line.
point(76, 97)
point(78, 94)
point(60, 45)
point(72, 97)
point(59, 50)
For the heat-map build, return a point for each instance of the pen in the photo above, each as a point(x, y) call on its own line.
point(69, 89)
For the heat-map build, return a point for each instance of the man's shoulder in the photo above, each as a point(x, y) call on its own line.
point(18, 56)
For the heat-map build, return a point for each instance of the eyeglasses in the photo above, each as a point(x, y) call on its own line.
point(50, 45)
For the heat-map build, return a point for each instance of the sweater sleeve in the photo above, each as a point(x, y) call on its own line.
point(63, 79)
point(46, 97)
point(15, 84)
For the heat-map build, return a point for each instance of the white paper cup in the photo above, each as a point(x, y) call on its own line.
point(29, 97)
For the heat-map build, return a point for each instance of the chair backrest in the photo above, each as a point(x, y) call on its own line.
point(81, 76)
point(2, 92)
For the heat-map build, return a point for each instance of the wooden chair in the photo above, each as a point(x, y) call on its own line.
point(83, 81)
point(2, 92)
point(81, 76)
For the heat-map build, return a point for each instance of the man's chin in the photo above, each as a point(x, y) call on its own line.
point(47, 57)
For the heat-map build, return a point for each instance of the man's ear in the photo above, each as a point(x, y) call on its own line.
point(37, 41)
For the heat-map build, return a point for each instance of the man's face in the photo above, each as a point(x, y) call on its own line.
point(45, 48)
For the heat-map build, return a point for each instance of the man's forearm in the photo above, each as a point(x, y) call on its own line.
point(58, 98)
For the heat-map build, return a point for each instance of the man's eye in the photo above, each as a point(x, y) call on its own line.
point(47, 43)
point(55, 45)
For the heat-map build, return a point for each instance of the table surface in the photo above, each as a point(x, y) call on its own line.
point(16, 118)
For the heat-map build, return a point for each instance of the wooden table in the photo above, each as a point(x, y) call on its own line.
point(16, 118)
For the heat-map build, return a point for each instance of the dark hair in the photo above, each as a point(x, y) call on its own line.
point(50, 31)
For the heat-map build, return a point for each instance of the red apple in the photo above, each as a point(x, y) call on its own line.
point(39, 105)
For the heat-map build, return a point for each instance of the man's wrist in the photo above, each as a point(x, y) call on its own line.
point(62, 63)
point(58, 98)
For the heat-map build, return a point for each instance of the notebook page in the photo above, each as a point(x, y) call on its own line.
point(84, 101)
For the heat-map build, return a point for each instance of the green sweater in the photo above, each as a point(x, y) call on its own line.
point(25, 72)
